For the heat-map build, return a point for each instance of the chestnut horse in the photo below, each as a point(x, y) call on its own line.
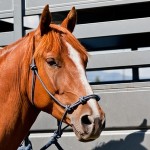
point(61, 61)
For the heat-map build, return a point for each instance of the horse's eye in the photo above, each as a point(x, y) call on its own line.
point(51, 62)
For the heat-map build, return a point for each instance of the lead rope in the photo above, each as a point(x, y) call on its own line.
point(57, 134)
point(26, 144)
point(54, 139)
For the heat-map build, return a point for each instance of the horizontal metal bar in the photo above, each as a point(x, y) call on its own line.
point(133, 86)
point(121, 59)
point(6, 38)
point(55, 6)
point(104, 133)
point(6, 14)
point(111, 28)
point(36, 7)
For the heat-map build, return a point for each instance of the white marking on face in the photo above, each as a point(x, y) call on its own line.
point(74, 55)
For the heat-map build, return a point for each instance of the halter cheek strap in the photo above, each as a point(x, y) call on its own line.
point(68, 108)
point(34, 69)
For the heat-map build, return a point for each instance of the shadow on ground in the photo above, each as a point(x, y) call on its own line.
point(131, 142)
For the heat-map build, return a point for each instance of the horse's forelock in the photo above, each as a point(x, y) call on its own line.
point(70, 38)
point(48, 42)
point(53, 41)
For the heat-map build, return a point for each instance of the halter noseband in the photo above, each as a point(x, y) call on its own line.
point(67, 108)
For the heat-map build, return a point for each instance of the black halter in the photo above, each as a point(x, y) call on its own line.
point(67, 108)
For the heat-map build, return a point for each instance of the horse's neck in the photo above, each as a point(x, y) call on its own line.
point(17, 113)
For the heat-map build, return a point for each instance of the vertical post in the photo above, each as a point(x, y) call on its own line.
point(19, 9)
point(135, 70)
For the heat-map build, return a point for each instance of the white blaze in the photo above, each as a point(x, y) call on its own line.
point(74, 55)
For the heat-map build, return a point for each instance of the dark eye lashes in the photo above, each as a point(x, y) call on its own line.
point(51, 62)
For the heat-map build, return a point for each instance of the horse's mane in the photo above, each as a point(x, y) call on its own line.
point(12, 46)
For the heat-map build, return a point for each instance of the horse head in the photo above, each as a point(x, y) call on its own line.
point(61, 63)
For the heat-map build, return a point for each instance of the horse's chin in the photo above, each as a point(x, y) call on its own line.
point(85, 137)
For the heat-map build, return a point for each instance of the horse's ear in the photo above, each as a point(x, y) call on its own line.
point(45, 20)
point(70, 21)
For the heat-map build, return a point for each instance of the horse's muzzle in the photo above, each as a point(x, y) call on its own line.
point(91, 128)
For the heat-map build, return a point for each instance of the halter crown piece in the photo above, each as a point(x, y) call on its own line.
point(68, 108)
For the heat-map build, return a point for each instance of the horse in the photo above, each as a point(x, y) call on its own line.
point(61, 63)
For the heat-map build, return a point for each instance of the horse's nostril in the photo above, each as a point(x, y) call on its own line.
point(87, 120)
